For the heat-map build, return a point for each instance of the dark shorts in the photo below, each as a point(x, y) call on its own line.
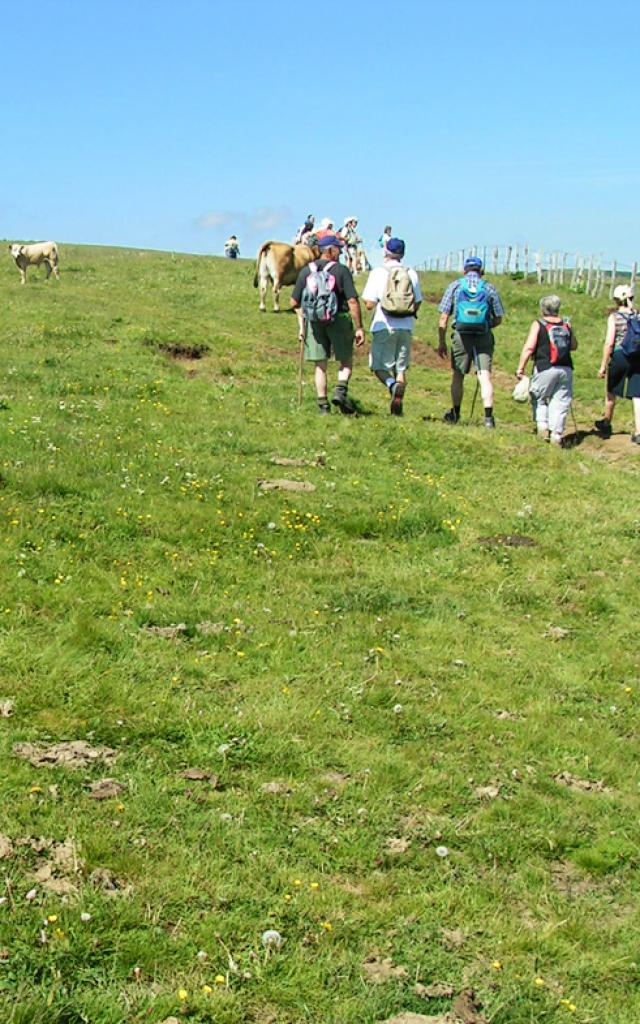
point(623, 378)
point(325, 338)
point(469, 350)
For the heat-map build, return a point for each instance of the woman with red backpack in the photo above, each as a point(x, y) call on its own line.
point(621, 361)
point(550, 343)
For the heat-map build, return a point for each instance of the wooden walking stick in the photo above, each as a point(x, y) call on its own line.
point(302, 332)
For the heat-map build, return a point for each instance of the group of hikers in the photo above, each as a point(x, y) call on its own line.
point(353, 254)
point(330, 323)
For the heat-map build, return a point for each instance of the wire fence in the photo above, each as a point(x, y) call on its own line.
point(590, 274)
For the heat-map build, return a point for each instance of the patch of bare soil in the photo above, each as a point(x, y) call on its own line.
point(77, 754)
point(570, 881)
point(178, 349)
point(105, 789)
point(282, 460)
point(285, 485)
point(378, 971)
point(507, 540)
point(581, 785)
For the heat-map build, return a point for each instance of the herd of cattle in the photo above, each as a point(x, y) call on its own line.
point(277, 263)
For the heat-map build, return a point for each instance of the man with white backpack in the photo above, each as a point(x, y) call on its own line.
point(477, 308)
point(394, 292)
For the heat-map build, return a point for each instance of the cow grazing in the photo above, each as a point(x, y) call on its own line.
point(33, 255)
point(280, 263)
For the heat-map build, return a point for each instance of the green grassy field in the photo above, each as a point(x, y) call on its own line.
point(306, 697)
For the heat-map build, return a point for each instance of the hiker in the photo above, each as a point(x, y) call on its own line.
point(394, 292)
point(477, 309)
point(305, 230)
point(351, 239)
point(326, 228)
point(550, 343)
point(384, 238)
point(231, 248)
point(325, 299)
point(621, 361)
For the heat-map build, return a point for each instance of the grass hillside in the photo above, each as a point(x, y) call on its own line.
point(349, 715)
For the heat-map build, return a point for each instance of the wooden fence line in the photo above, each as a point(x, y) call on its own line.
point(588, 273)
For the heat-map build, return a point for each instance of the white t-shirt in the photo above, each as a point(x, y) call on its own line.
point(374, 290)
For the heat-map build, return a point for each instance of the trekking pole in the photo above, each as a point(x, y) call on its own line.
point(300, 370)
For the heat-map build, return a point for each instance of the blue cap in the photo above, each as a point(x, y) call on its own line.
point(473, 263)
point(330, 240)
point(395, 246)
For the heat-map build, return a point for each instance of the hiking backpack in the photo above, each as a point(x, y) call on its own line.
point(631, 342)
point(559, 340)
point(398, 298)
point(319, 297)
point(472, 307)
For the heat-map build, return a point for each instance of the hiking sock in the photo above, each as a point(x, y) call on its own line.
point(488, 410)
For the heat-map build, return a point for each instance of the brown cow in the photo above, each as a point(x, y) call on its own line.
point(280, 263)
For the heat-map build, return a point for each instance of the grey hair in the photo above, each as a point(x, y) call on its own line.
point(550, 305)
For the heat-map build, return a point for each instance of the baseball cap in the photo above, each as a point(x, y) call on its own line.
point(330, 240)
point(622, 292)
point(472, 263)
point(395, 246)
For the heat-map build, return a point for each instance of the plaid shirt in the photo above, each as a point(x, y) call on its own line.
point(449, 303)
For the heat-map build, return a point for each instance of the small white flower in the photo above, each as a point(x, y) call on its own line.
point(202, 955)
point(272, 939)
point(442, 851)
point(84, 916)
point(271, 526)
point(31, 895)
point(397, 709)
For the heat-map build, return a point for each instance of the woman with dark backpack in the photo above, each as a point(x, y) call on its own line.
point(620, 361)
point(550, 343)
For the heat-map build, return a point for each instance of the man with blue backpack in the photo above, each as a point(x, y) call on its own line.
point(325, 299)
point(476, 308)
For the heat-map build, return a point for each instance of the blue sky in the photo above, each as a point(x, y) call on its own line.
point(171, 124)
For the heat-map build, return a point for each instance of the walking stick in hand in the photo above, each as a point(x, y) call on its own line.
point(302, 328)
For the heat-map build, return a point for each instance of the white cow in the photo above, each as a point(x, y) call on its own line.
point(33, 255)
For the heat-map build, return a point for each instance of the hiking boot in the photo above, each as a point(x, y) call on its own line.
point(490, 421)
point(324, 408)
point(451, 416)
point(635, 439)
point(603, 427)
point(397, 394)
point(342, 400)
point(557, 440)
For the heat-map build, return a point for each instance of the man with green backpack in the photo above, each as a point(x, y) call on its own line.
point(394, 292)
point(477, 308)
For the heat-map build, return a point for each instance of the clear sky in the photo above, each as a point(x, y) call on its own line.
point(170, 124)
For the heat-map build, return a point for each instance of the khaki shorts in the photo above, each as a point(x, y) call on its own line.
point(471, 350)
point(390, 351)
point(335, 337)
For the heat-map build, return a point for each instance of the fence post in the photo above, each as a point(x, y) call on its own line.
point(612, 284)
point(484, 256)
point(563, 267)
point(525, 268)
point(634, 274)
point(494, 260)
point(574, 275)
point(461, 260)
point(537, 256)
point(507, 263)
point(589, 275)
point(516, 262)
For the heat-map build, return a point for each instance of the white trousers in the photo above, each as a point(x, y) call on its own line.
point(551, 392)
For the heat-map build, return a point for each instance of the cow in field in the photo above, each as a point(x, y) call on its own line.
point(280, 263)
point(33, 255)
